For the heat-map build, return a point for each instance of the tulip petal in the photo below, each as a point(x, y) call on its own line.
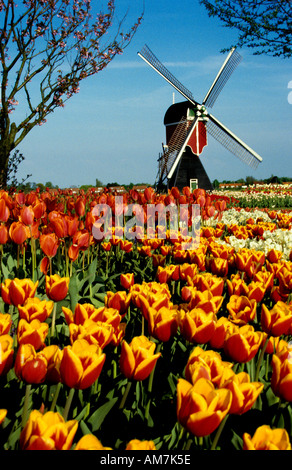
point(71, 368)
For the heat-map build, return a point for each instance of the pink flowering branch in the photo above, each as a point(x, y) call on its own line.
point(50, 45)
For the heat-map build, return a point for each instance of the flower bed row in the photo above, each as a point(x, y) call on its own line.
point(179, 348)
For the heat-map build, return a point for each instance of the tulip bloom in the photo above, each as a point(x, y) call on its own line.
point(18, 232)
point(219, 267)
point(33, 333)
point(281, 380)
point(127, 280)
point(119, 300)
point(285, 281)
point(27, 215)
point(274, 255)
point(95, 332)
point(201, 407)
point(209, 282)
point(5, 323)
point(197, 326)
point(53, 356)
point(84, 312)
point(3, 234)
point(30, 366)
point(90, 442)
point(136, 444)
point(244, 392)
point(208, 364)
point(266, 438)
point(35, 309)
point(164, 274)
point(49, 244)
point(118, 335)
point(162, 324)
point(48, 431)
point(217, 340)
point(241, 309)
point(81, 313)
point(17, 291)
point(256, 291)
point(6, 353)
point(244, 259)
point(242, 344)
point(205, 300)
point(57, 287)
point(137, 359)
point(4, 211)
point(236, 286)
point(81, 364)
point(278, 320)
point(187, 270)
point(3, 414)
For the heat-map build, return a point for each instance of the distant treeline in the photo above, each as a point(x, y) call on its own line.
point(30, 186)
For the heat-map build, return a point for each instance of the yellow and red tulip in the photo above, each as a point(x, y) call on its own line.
point(90, 442)
point(201, 407)
point(138, 358)
point(81, 364)
point(278, 320)
point(48, 431)
point(242, 343)
point(267, 438)
point(136, 444)
point(6, 353)
point(57, 287)
point(17, 291)
point(244, 392)
point(35, 309)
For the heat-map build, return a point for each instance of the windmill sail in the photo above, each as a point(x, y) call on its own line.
point(232, 61)
point(231, 142)
point(174, 146)
point(179, 144)
point(147, 55)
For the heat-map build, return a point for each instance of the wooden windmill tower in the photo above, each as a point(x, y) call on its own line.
point(187, 125)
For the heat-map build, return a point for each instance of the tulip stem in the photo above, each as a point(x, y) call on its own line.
point(218, 433)
point(150, 383)
point(53, 320)
point(25, 405)
point(261, 358)
point(56, 394)
point(126, 392)
point(68, 403)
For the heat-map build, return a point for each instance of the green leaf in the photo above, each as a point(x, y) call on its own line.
point(100, 414)
point(5, 271)
point(73, 292)
point(84, 428)
point(237, 441)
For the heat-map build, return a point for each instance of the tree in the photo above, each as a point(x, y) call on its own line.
point(51, 45)
point(263, 25)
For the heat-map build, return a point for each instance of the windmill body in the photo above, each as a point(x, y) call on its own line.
point(189, 166)
point(187, 125)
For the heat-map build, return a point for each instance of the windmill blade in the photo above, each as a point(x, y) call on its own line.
point(232, 61)
point(176, 143)
point(147, 55)
point(232, 143)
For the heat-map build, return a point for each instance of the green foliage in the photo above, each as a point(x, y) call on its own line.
point(262, 26)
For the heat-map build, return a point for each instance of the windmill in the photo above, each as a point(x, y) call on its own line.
point(187, 125)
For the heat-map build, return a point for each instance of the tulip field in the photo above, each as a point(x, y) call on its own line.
point(144, 343)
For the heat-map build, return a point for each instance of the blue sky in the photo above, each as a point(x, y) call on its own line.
point(113, 129)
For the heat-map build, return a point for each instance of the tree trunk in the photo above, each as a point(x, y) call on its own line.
point(7, 144)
